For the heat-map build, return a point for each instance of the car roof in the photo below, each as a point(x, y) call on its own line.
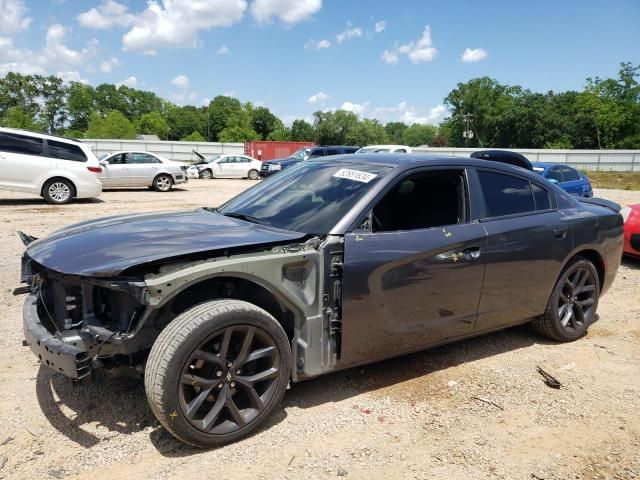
point(386, 146)
point(31, 133)
point(413, 160)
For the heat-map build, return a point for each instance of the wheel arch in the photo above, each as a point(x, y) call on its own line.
point(594, 257)
point(59, 177)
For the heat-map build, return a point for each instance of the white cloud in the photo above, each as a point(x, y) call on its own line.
point(106, 15)
point(131, 82)
point(471, 55)
point(177, 23)
point(223, 50)
point(205, 101)
point(317, 98)
point(13, 16)
point(357, 108)
point(181, 81)
point(380, 26)
point(420, 51)
point(108, 65)
point(230, 93)
point(410, 114)
point(54, 56)
point(288, 11)
point(317, 45)
point(71, 76)
point(183, 97)
point(349, 33)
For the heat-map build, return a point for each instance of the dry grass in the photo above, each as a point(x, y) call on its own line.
point(618, 180)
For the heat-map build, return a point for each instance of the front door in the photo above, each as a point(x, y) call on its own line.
point(415, 278)
point(143, 168)
point(116, 172)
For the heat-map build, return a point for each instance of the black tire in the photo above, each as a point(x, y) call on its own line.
point(573, 302)
point(58, 191)
point(188, 344)
point(163, 183)
point(254, 174)
point(206, 174)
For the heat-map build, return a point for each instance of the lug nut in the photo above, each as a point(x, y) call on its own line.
point(232, 384)
point(220, 385)
point(238, 372)
point(219, 373)
point(229, 364)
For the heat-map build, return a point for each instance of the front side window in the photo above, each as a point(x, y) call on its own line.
point(117, 159)
point(11, 142)
point(569, 174)
point(66, 151)
point(319, 152)
point(505, 194)
point(309, 197)
point(554, 174)
point(422, 200)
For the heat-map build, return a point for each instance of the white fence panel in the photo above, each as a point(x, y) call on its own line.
point(180, 151)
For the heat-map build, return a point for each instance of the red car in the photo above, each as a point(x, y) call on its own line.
point(631, 215)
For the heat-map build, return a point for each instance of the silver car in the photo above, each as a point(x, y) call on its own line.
point(140, 169)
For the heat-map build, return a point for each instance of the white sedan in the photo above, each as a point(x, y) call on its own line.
point(140, 169)
point(230, 166)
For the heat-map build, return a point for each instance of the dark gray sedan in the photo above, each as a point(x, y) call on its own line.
point(333, 263)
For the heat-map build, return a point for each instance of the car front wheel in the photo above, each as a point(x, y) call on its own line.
point(254, 174)
point(573, 303)
point(206, 174)
point(162, 183)
point(217, 372)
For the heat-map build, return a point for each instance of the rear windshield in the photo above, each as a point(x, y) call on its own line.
point(310, 197)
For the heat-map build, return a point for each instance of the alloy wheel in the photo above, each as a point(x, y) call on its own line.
point(229, 379)
point(59, 192)
point(577, 299)
point(206, 174)
point(163, 183)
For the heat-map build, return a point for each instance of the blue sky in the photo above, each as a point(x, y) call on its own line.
point(386, 60)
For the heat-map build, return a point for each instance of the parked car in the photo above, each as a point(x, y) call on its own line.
point(385, 149)
point(631, 216)
point(56, 168)
point(140, 169)
point(274, 166)
point(335, 262)
point(230, 166)
point(567, 178)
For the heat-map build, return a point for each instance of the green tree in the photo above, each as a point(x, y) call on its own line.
point(193, 137)
point(185, 120)
point(221, 109)
point(15, 117)
point(79, 105)
point(302, 131)
point(334, 127)
point(52, 95)
point(281, 135)
point(394, 131)
point(367, 132)
point(108, 98)
point(265, 122)
point(417, 135)
point(20, 91)
point(114, 125)
point(152, 123)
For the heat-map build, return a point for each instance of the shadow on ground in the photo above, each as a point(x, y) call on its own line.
point(41, 202)
point(120, 404)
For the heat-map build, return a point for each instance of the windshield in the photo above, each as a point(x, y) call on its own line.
point(212, 158)
point(301, 154)
point(310, 197)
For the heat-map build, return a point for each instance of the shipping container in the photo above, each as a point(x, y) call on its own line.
point(268, 150)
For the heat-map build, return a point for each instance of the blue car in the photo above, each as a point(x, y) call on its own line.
point(566, 177)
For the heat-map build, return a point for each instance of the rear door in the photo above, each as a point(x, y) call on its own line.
point(413, 273)
point(143, 168)
point(22, 162)
point(528, 238)
point(116, 173)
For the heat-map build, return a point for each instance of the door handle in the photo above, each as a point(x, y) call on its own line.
point(472, 252)
point(560, 231)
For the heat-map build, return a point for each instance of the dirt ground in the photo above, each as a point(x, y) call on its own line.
point(474, 409)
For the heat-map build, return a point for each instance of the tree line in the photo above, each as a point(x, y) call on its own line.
point(483, 113)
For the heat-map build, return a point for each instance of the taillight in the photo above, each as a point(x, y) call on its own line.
point(95, 169)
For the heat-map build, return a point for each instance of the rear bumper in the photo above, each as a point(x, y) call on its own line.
point(88, 189)
point(67, 357)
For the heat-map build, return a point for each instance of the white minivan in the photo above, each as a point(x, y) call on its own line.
point(58, 169)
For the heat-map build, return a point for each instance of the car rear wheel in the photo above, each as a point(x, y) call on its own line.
point(206, 174)
point(254, 174)
point(217, 372)
point(163, 183)
point(573, 303)
point(58, 191)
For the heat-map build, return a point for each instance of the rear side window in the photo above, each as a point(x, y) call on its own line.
point(137, 157)
point(570, 175)
point(10, 142)
point(541, 197)
point(555, 174)
point(333, 151)
point(66, 151)
point(505, 195)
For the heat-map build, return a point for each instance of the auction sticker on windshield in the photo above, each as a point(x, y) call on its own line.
point(357, 175)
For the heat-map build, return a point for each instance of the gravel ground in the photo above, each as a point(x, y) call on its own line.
point(474, 409)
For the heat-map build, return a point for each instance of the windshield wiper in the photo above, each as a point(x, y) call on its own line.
point(245, 217)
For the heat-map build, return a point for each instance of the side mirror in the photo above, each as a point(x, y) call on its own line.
point(104, 163)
